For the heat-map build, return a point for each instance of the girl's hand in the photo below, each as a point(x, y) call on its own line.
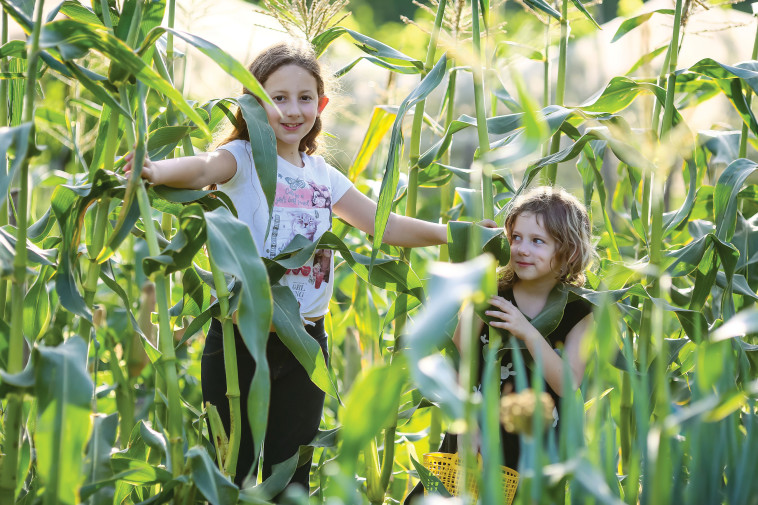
point(149, 169)
point(512, 320)
point(488, 223)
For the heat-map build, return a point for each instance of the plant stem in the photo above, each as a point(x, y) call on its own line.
point(8, 477)
point(668, 111)
point(748, 99)
point(546, 86)
point(232, 378)
point(374, 492)
point(4, 122)
point(488, 206)
point(560, 88)
point(165, 335)
point(388, 456)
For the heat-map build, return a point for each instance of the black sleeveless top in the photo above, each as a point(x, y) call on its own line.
point(574, 312)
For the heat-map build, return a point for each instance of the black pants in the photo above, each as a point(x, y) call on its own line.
point(296, 403)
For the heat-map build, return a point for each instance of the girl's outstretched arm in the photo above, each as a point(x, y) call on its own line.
point(512, 320)
point(360, 211)
point(189, 172)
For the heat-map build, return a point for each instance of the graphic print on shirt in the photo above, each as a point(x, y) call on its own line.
point(301, 208)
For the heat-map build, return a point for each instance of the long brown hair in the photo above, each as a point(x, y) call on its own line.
point(268, 62)
point(565, 219)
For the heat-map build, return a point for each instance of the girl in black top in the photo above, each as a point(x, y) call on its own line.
point(549, 233)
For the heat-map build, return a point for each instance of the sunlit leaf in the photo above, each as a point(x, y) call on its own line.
point(632, 23)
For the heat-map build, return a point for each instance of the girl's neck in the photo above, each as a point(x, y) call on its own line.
point(291, 156)
point(531, 297)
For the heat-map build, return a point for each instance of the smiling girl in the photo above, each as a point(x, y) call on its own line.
point(308, 190)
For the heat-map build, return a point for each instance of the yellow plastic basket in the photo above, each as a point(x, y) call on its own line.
point(445, 467)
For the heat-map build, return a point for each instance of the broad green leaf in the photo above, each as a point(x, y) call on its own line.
point(289, 328)
point(431, 483)
point(226, 62)
point(366, 413)
point(545, 7)
point(400, 69)
point(64, 390)
point(391, 174)
point(387, 274)
point(281, 474)
point(79, 12)
point(231, 245)
point(185, 244)
point(579, 5)
point(452, 285)
point(8, 252)
point(139, 472)
point(263, 145)
point(632, 23)
point(86, 36)
point(214, 486)
point(725, 201)
point(15, 48)
point(379, 125)
point(86, 80)
point(729, 79)
point(619, 94)
point(37, 306)
point(16, 139)
point(644, 60)
point(368, 45)
point(167, 137)
point(492, 240)
point(98, 454)
point(746, 71)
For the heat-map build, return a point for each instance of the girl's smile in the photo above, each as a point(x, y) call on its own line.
point(294, 90)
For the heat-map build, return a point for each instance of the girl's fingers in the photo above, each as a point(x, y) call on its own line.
point(494, 313)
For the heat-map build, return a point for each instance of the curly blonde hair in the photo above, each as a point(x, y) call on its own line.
point(565, 218)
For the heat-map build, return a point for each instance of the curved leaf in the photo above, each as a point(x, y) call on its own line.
point(632, 23)
point(85, 36)
point(391, 174)
point(215, 487)
point(725, 201)
point(290, 330)
point(231, 245)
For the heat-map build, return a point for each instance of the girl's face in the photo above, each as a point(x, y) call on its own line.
point(294, 90)
point(533, 250)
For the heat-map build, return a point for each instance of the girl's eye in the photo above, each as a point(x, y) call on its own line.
point(306, 98)
point(516, 237)
point(278, 98)
point(539, 241)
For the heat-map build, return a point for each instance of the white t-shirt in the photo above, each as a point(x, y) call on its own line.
point(303, 206)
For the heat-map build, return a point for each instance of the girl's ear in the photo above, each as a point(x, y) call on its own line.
point(322, 101)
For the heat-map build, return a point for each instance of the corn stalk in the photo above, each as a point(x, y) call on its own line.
point(3, 122)
point(229, 459)
point(748, 99)
point(13, 410)
point(165, 335)
point(560, 87)
point(488, 207)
